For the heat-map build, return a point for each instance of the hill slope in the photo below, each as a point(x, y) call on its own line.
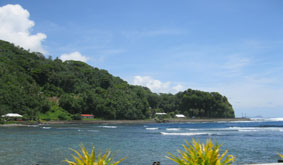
point(35, 86)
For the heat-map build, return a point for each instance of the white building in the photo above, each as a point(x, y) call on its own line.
point(15, 115)
point(180, 116)
point(160, 113)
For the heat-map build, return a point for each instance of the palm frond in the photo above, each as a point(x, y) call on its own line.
point(86, 158)
point(203, 154)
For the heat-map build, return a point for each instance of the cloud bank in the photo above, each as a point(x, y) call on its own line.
point(16, 27)
point(75, 56)
point(156, 85)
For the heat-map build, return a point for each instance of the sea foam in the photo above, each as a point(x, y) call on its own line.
point(186, 133)
point(106, 126)
point(173, 129)
point(151, 128)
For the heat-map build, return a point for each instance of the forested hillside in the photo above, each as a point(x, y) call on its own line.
point(37, 87)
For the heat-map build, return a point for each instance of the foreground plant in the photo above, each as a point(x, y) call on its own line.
point(201, 154)
point(85, 158)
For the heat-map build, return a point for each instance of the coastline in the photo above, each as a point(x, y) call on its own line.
point(145, 121)
point(150, 121)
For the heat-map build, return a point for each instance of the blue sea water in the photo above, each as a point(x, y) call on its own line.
point(142, 144)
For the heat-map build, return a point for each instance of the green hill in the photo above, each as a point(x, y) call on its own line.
point(37, 87)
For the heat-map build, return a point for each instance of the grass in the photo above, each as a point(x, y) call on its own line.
point(93, 119)
point(55, 113)
point(201, 154)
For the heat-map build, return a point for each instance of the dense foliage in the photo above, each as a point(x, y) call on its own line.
point(86, 158)
point(35, 86)
point(201, 154)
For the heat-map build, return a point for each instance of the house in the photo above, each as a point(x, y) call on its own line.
point(12, 115)
point(180, 116)
point(159, 113)
point(87, 116)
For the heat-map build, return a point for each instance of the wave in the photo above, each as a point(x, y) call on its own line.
point(248, 130)
point(107, 126)
point(193, 129)
point(46, 127)
point(253, 129)
point(151, 128)
point(213, 129)
point(173, 129)
point(267, 119)
point(186, 133)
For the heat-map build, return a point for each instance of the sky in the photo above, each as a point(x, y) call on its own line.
point(232, 47)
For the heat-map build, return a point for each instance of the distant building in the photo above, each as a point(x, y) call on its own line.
point(180, 116)
point(12, 115)
point(159, 113)
point(87, 116)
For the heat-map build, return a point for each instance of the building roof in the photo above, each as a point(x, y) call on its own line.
point(12, 115)
point(159, 113)
point(180, 115)
point(87, 115)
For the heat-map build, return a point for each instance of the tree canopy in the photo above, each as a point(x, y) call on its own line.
point(31, 84)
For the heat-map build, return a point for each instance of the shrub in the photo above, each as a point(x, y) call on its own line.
point(201, 154)
point(91, 159)
point(56, 113)
point(77, 117)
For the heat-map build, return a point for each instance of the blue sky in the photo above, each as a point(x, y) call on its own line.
point(234, 47)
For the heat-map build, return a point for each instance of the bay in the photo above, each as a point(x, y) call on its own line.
point(256, 141)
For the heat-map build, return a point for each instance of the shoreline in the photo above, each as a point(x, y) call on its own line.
point(151, 121)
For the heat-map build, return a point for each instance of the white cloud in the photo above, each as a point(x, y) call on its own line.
point(75, 56)
point(156, 85)
point(178, 88)
point(16, 27)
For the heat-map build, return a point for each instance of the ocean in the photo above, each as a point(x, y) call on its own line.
point(256, 141)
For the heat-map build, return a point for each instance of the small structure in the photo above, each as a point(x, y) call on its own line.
point(87, 116)
point(12, 115)
point(180, 116)
point(160, 113)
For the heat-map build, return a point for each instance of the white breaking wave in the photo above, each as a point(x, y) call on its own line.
point(192, 129)
point(247, 130)
point(107, 126)
point(213, 129)
point(46, 127)
point(267, 119)
point(253, 129)
point(151, 128)
point(173, 129)
point(186, 133)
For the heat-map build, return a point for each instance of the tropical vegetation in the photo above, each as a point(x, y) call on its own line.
point(201, 154)
point(86, 158)
point(41, 88)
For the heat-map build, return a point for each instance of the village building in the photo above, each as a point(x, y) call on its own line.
point(87, 116)
point(180, 116)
